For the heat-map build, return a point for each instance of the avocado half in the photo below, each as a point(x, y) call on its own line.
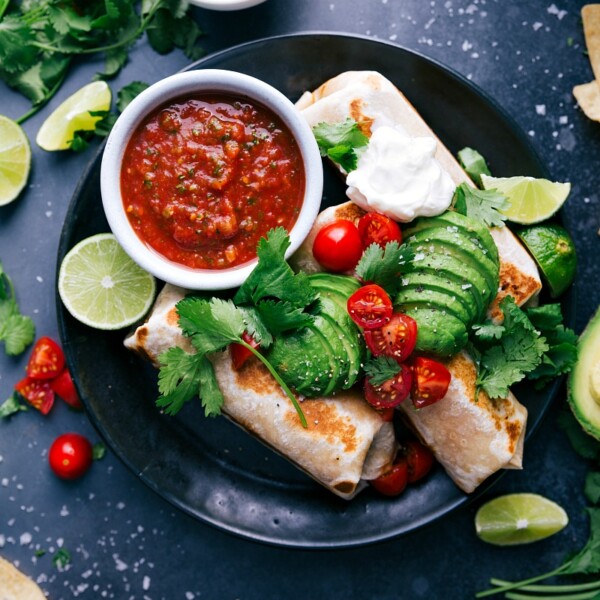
point(584, 379)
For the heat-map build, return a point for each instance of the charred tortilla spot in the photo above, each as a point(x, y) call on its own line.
point(255, 377)
point(173, 318)
point(515, 283)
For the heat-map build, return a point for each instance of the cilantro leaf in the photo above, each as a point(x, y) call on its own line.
point(61, 558)
point(341, 142)
point(384, 266)
point(488, 331)
point(474, 164)
point(518, 352)
point(127, 93)
point(98, 451)
point(481, 205)
point(381, 368)
point(11, 406)
point(178, 379)
point(280, 317)
point(587, 560)
point(255, 326)
point(210, 393)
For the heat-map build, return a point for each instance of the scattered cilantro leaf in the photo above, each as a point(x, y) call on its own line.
point(98, 451)
point(489, 331)
point(592, 487)
point(588, 558)
point(11, 406)
point(341, 142)
point(17, 331)
point(39, 553)
point(518, 351)
point(384, 266)
point(279, 317)
point(481, 205)
point(474, 164)
point(61, 558)
point(381, 368)
point(127, 93)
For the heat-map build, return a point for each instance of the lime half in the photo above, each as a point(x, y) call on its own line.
point(74, 115)
point(101, 286)
point(531, 200)
point(519, 519)
point(15, 160)
point(554, 251)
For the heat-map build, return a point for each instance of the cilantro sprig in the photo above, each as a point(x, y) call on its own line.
point(384, 266)
point(381, 368)
point(17, 331)
point(481, 205)
point(341, 142)
point(39, 39)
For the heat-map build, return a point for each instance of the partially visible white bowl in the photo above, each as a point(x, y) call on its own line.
point(194, 83)
point(226, 4)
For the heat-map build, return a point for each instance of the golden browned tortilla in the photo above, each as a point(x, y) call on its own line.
point(16, 586)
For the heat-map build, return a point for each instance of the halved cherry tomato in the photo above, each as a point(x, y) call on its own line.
point(370, 307)
point(419, 460)
point(337, 246)
point(240, 354)
point(387, 414)
point(63, 387)
point(47, 359)
point(70, 455)
point(393, 482)
point(430, 381)
point(391, 392)
point(37, 392)
point(397, 338)
point(375, 228)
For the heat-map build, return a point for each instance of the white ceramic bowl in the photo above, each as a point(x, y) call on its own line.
point(189, 84)
point(226, 4)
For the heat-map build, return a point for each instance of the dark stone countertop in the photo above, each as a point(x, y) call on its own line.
point(125, 541)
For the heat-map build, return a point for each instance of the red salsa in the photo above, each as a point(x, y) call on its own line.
point(203, 179)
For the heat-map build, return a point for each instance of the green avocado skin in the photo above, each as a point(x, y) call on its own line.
point(455, 276)
point(579, 383)
point(326, 356)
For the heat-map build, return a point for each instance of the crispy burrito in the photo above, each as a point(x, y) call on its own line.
point(346, 442)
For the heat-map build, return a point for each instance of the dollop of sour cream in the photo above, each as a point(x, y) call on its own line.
point(398, 175)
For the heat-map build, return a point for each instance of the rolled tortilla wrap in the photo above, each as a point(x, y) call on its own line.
point(346, 442)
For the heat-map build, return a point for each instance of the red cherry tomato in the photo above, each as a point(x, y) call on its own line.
point(391, 392)
point(370, 307)
point(375, 228)
point(240, 354)
point(397, 338)
point(387, 414)
point(430, 381)
point(63, 387)
point(47, 359)
point(419, 460)
point(70, 455)
point(393, 482)
point(37, 392)
point(337, 246)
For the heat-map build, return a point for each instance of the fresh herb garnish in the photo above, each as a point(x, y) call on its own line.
point(482, 205)
point(474, 164)
point(341, 142)
point(16, 330)
point(61, 558)
point(38, 40)
point(508, 359)
point(381, 368)
point(11, 406)
point(384, 266)
point(98, 451)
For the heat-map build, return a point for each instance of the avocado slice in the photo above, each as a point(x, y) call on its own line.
point(455, 243)
point(439, 282)
point(340, 284)
point(584, 380)
point(430, 297)
point(469, 226)
point(437, 333)
point(338, 360)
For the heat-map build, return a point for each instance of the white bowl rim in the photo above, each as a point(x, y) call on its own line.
point(195, 83)
point(226, 4)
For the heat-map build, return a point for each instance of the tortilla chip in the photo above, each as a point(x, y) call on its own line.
point(590, 14)
point(16, 586)
point(588, 98)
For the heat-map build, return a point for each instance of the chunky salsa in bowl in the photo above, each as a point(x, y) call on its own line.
point(199, 167)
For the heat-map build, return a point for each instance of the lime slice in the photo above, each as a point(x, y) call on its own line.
point(519, 519)
point(101, 286)
point(15, 160)
point(74, 115)
point(531, 200)
point(554, 251)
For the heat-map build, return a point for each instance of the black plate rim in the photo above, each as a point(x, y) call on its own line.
point(429, 519)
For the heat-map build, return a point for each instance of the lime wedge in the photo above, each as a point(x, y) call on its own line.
point(74, 115)
point(15, 160)
point(554, 251)
point(101, 286)
point(531, 200)
point(519, 519)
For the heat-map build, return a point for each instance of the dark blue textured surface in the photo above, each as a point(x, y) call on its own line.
point(128, 543)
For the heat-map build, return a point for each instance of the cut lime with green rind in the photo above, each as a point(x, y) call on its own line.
point(531, 200)
point(519, 519)
point(73, 115)
point(554, 251)
point(15, 160)
point(101, 286)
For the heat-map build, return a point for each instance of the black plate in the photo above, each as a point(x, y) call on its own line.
point(209, 468)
